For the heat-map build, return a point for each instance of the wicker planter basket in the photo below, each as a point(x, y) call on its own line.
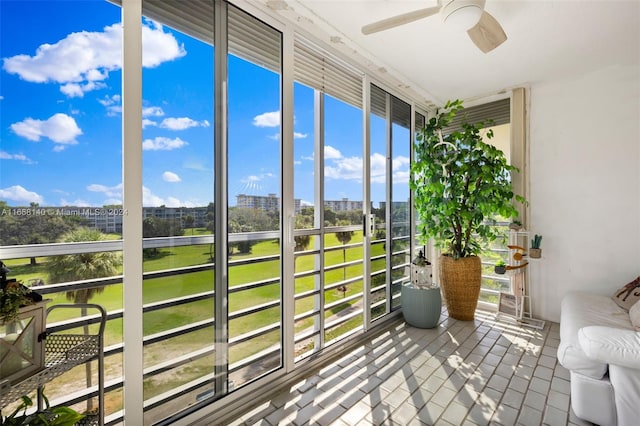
point(460, 282)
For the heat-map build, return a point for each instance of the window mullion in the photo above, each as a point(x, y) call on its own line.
point(221, 200)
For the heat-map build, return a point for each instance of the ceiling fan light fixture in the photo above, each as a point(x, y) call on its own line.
point(461, 14)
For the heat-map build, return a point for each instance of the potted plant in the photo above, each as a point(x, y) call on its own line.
point(500, 267)
point(56, 416)
point(515, 225)
point(535, 252)
point(460, 185)
point(22, 320)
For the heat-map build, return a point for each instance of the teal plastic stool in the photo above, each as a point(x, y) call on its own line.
point(421, 307)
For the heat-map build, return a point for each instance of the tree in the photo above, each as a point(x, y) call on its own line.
point(83, 266)
point(247, 220)
point(329, 217)
point(344, 237)
point(157, 227)
point(302, 222)
point(352, 217)
point(189, 220)
point(40, 226)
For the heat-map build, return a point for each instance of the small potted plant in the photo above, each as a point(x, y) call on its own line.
point(50, 416)
point(500, 267)
point(535, 252)
point(515, 225)
point(22, 321)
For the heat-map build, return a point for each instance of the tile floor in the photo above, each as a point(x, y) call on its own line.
point(487, 371)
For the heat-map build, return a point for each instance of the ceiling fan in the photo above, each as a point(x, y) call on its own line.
point(483, 29)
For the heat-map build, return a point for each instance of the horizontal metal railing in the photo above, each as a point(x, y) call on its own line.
point(56, 249)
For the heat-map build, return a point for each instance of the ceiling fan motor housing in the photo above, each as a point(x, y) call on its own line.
point(461, 14)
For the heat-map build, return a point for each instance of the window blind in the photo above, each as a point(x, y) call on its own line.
point(248, 37)
point(253, 40)
point(498, 111)
point(318, 70)
point(194, 18)
point(400, 110)
point(420, 121)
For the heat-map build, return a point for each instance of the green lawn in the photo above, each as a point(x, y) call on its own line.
point(159, 289)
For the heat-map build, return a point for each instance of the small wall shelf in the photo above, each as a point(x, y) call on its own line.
point(517, 270)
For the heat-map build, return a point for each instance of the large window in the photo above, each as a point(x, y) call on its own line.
point(178, 178)
point(328, 202)
point(61, 172)
point(254, 173)
point(390, 129)
point(196, 138)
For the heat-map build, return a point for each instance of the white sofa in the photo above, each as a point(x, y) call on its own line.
point(601, 349)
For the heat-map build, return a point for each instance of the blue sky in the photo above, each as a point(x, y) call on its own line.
point(60, 123)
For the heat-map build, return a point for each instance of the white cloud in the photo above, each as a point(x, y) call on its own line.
point(378, 168)
point(158, 46)
point(75, 90)
point(19, 157)
point(149, 199)
point(195, 164)
point(112, 104)
point(146, 123)
point(256, 178)
point(331, 153)
point(60, 128)
point(170, 177)
point(21, 195)
point(113, 192)
point(81, 61)
point(400, 169)
point(349, 168)
point(268, 119)
point(110, 100)
point(163, 144)
point(152, 111)
point(296, 135)
point(182, 123)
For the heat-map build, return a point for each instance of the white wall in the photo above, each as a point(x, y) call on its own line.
point(585, 184)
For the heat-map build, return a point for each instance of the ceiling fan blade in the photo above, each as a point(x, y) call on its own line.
point(487, 34)
point(396, 21)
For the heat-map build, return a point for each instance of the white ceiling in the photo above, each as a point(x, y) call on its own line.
point(547, 40)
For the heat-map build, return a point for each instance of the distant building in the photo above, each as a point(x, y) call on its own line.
point(199, 214)
point(269, 203)
point(108, 219)
point(343, 205)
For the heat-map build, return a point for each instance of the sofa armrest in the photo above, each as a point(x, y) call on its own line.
point(615, 346)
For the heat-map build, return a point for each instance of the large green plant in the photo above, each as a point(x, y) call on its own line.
point(460, 184)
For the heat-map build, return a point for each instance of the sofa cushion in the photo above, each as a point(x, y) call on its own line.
point(628, 295)
point(581, 310)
